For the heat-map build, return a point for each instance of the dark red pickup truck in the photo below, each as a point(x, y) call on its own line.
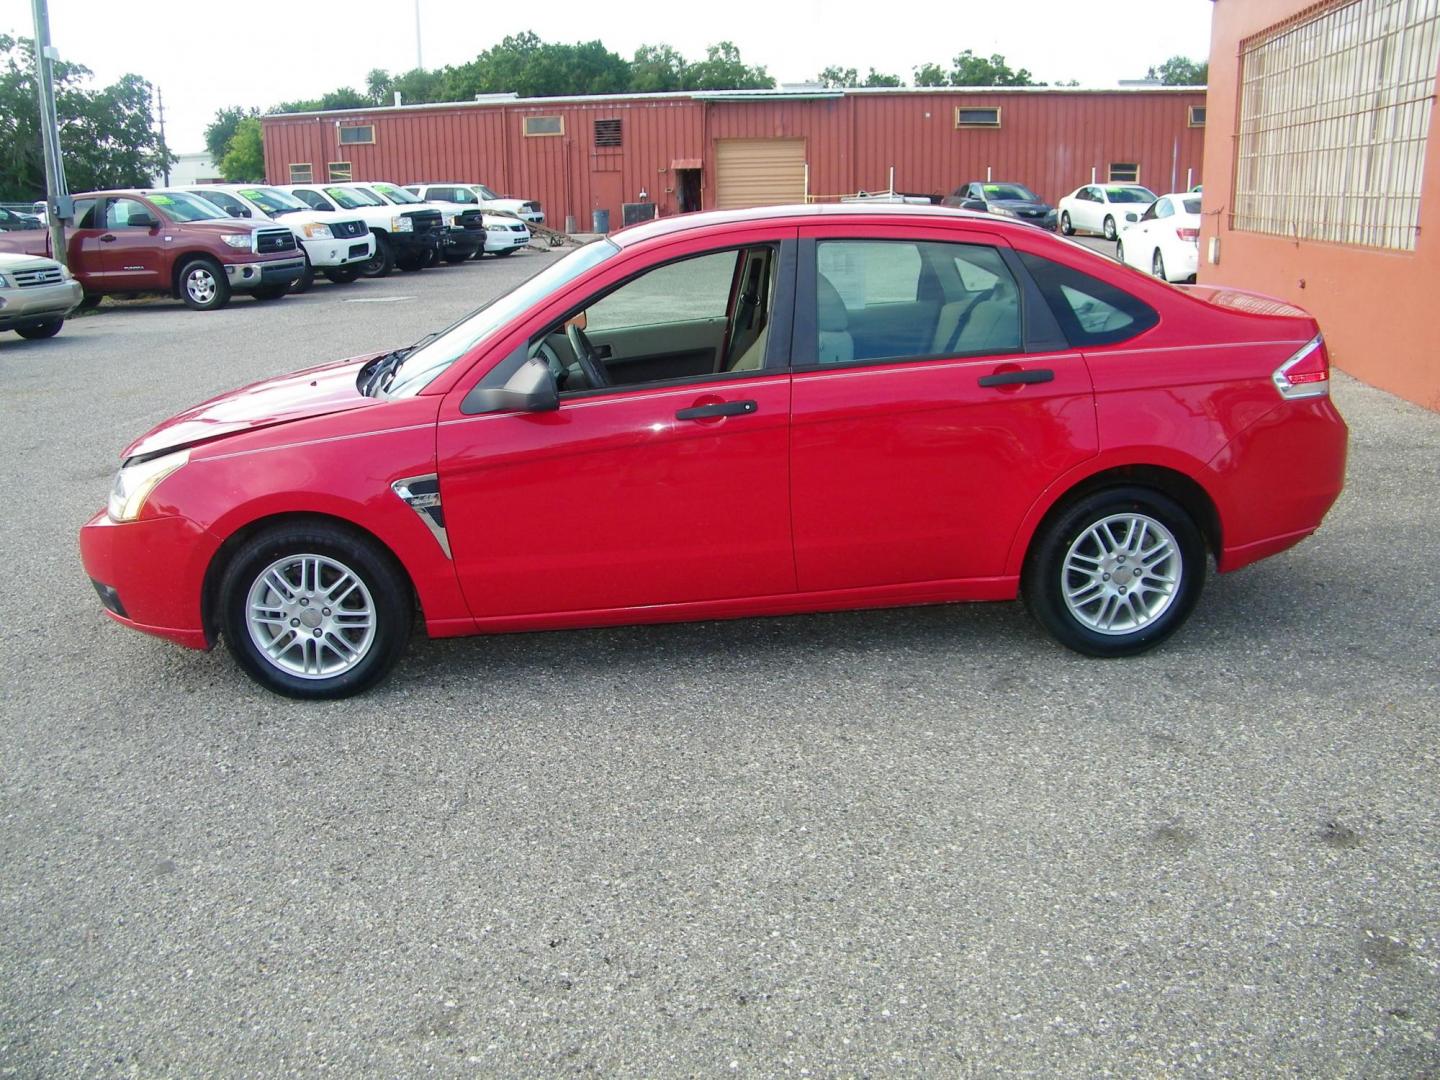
point(126, 242)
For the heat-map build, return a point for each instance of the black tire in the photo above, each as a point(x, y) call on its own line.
point(37, 331)
point(479, 253)
point(1065, 226)
point(1047, 577)
point(507, 251)
point(305, 280)
point(270, 292)
point(454, 257)
point(342, 275)
point(389, 599)
point(382, 262)
point(1120, 252)
point(203, 285)
point(411, 262)
point(89, 302)
point(1109, 228)
point(1157, 265)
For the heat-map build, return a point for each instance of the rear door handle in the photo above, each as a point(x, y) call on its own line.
point(1010, 378)
point(720, 408)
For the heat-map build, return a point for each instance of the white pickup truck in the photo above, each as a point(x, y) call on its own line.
point(526, 210)
point(409, 239)
point(505, 233)
point(335, 244)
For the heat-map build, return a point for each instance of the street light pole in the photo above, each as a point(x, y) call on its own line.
point(55, 189)
point(419, 61)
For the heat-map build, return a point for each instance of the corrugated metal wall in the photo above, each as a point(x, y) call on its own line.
point(1049, 140)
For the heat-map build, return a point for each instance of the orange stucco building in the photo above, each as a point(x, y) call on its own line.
point(1322, 175)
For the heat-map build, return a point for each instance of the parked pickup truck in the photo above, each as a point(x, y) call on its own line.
point(527, 210)
point(505, 234)
point(35, 295)
point(464, 229)
point(127, 242)
point(335, 244)
point(409, 239)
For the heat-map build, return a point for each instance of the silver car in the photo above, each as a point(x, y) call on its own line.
point(35, 295)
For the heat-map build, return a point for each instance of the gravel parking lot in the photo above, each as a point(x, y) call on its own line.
point(886, 843)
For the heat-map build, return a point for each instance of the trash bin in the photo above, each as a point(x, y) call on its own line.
point(600, 221)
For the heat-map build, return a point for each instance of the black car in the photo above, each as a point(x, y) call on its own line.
point(1006, 199)
point(10, 221)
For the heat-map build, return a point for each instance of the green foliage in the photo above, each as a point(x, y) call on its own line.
point(1181, 71)
point(107, 136)
point(244, 160)
point(219, 132)
point(838, 78)
point(930, 75)
point(967, 69)
point(533, 68)
point(657, 69)
point(722, 69)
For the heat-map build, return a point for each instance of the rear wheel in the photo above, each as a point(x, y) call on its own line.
point(1120, 252)
point(1157, 265)
point(89, 302)
point(1065, 226)
point(342, 275)
point(41, 330)
point(382, 262)
point(203, 286)
point(1110, 233)
point(1116, 573)
point(314, 610)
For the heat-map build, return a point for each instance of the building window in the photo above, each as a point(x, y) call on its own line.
point(1124, 172)
point(544, 125)
point(974, 118)
point(302, 174)
point(356, 134)
point(338, 171)
point(607, 132)
point(1334, 118)
point(1197, 115)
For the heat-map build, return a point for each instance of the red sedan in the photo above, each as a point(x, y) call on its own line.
point(737, 414)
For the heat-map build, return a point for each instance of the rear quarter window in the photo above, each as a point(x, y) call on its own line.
point(1089, 311)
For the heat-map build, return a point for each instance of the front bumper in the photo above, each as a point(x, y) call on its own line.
point(465, 242)
point(254, 275)
point(507, 240)
point(38, 303)
point(150, 574)
point(406, 244)
point(343, 252)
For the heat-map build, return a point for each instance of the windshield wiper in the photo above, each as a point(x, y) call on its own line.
point(281, 211)
point(382, 369)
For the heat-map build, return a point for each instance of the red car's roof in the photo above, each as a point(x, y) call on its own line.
point(799, 215)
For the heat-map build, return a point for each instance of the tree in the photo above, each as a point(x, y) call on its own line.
point(244, 160)
point(530, 67)
point(722, 69)
point(836, 78)
point(219, 132)
point(930, 75)
point(107, 136)
point(967, 69)
point(1180, 71)
point(657, 69)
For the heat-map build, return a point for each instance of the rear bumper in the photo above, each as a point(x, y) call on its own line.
point(150, 574)
point(39, 303)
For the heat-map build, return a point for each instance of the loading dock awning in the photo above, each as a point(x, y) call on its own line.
point(685, 163)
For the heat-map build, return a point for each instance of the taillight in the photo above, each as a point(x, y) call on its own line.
point(1193, 235)
point(1306, 374)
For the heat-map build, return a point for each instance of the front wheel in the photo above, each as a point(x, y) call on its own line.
point(1110, 232)
point(507, 251)
point(270, 292)
point(1116, 573)
point(203, 286)
point(1120, 253)
point(1065, 226)
point(314, 610)
point(1157, 265)
point(305, 280)
point(382, 262)
point(37, 331)
point(342, 275)
point(453, 257)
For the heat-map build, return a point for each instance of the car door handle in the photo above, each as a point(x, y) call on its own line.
point(108, 238)
point(1011, 378)
point(719, 408)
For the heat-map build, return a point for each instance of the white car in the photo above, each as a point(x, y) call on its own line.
point(1107, 209)
point(504, 233)
point(1166, 239)
point(526, 210)
point(335, 244)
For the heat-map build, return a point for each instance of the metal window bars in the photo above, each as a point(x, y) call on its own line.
point(1334, 118)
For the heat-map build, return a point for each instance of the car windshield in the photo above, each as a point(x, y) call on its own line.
point(1010, 191)
point(353, 198)
point(422, 366)
point(273, 200)
point(395, 194)
point(1192, 206)
point(1130, 194)
point(179, 206)
point(483, 191)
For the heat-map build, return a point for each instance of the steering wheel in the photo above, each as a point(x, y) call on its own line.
point(585, 356)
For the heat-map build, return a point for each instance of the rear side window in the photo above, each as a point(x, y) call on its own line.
point(1089, 311)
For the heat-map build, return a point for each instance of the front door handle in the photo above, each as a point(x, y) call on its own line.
point(108, 238)
point(719, 408)
point(1011, 378)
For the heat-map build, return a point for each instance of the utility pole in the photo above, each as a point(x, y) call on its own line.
point(56, 195)
point(164, 148)
point(419, 61)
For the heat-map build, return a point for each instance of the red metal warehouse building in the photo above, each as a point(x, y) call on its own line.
point(707, 150)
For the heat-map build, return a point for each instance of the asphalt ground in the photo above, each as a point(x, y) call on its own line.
point(920, 841)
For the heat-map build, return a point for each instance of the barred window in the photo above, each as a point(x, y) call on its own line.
point(1334, 117)
point(338, 171)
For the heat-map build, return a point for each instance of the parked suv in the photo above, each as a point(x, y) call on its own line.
point(35, 295)
point(504, 233)
point(126, 242)
point(408, 238)
point(338, 244)
point(464, 229)
point(479, 195)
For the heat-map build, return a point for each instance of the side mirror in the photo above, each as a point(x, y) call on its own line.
point(238, 211)
point(531, 389)
point(974, 204)
point(142, 221)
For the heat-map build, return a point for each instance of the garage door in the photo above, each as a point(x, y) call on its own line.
point(759, 172)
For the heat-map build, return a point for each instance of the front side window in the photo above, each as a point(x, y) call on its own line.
point(314, 200)
point(353, 198)
point(119, 212)
point(1089, 311)
point(396, 194)
point(227, 202)
point(886, 300)
point(272, 200)
point(178, 206)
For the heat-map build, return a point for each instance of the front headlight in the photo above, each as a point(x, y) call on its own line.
point(451, 220)
point(237, 240)
point(4, 282)
point(317, 231)
point(65, 274)
point(402, 224)
point(1003, 212)
point(134, 483)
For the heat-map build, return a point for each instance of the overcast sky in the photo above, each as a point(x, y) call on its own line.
point(201, 63)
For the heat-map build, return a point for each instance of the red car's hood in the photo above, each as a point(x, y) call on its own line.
point(315, 391)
